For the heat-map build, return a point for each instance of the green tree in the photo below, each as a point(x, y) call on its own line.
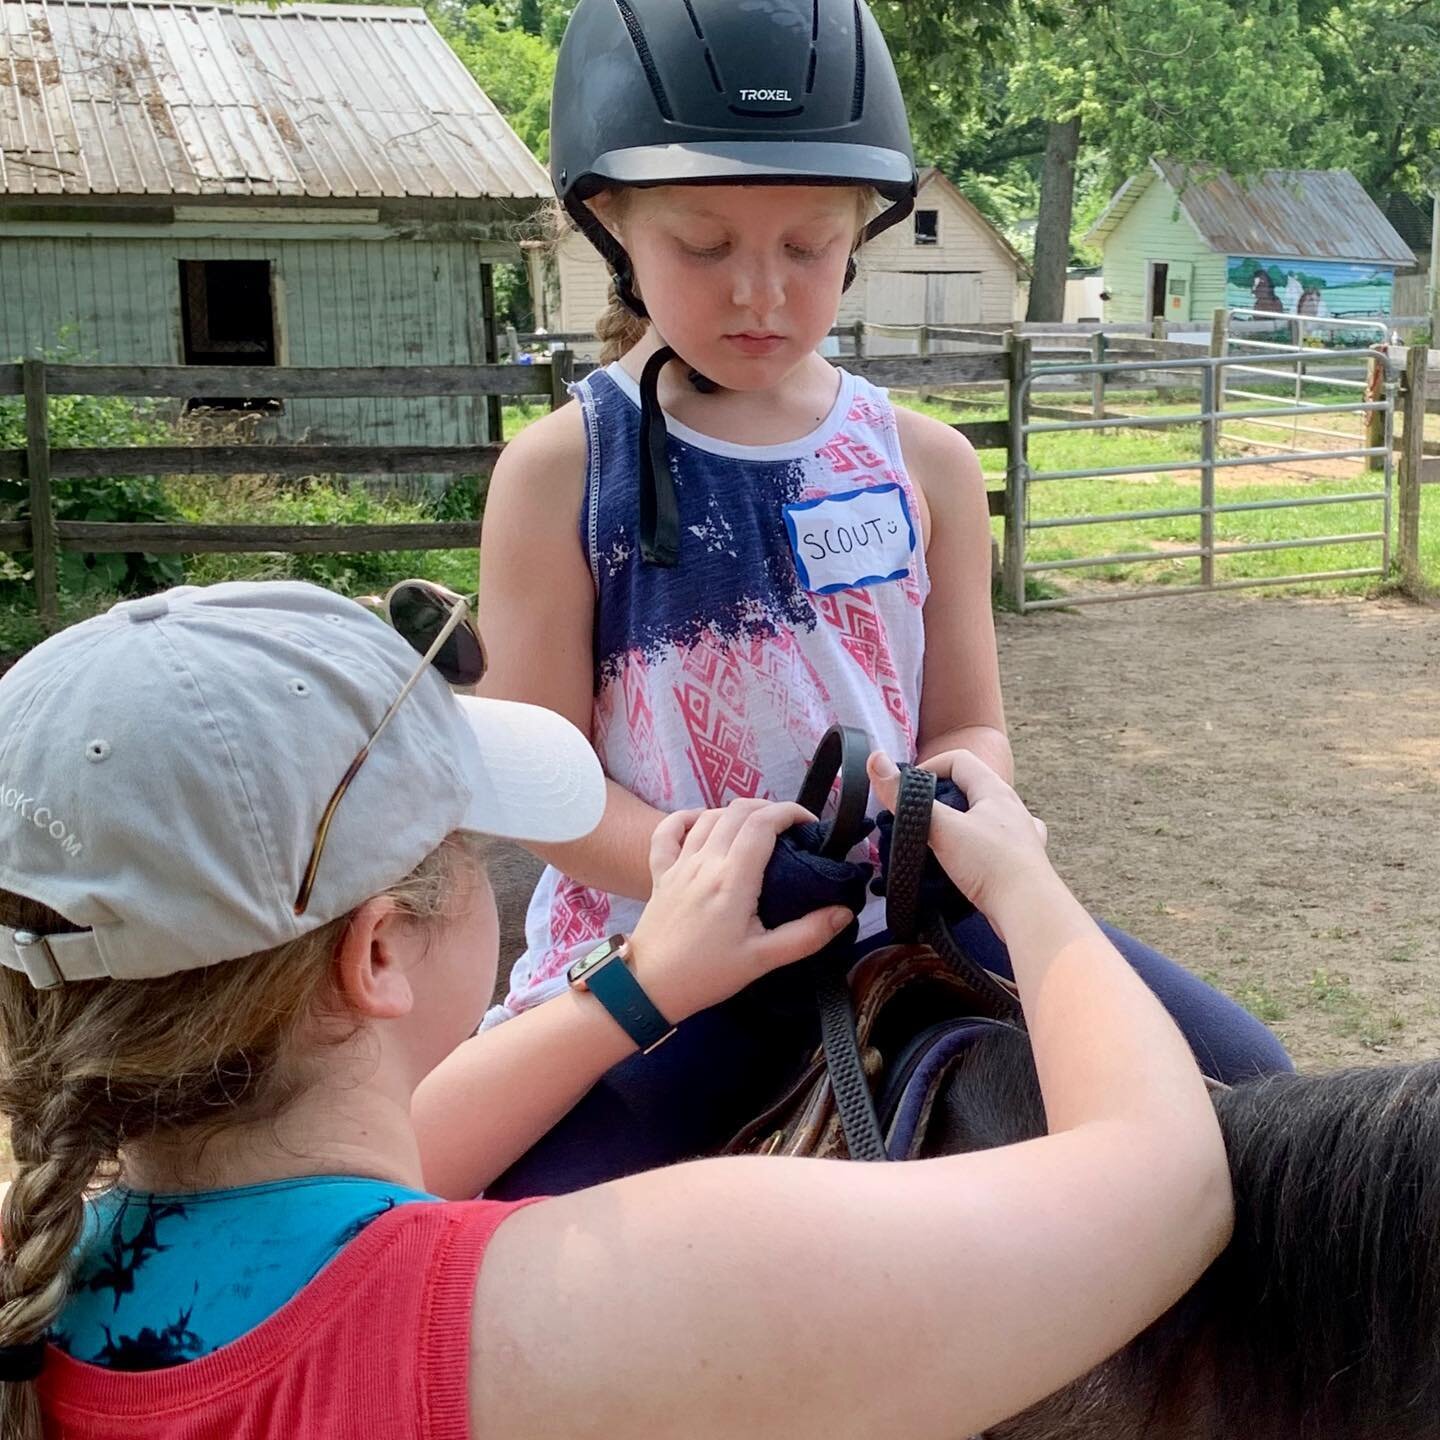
point(1379, 66)
point(1211, 84)
point(514, 68)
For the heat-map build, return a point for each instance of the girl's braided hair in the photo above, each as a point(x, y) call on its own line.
point(89, 1067)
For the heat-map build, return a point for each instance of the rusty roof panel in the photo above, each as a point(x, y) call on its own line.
point(1310, 214)
point(180, 97)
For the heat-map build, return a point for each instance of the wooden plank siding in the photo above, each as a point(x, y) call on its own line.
point(1156, 228)
point(966, 244)
point(339, 303)
point(584, 291)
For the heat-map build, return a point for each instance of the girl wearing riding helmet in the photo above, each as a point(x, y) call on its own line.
point(233, 1006)
point(725, 544)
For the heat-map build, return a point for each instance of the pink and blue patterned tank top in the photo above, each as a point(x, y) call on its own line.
point(797, 603)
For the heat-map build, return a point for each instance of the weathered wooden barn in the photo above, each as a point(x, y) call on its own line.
point(200, 183)
point(1294, 241)
point(945, 264)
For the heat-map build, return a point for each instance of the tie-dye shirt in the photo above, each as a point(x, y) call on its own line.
point(797, 604)
point(159, 1280)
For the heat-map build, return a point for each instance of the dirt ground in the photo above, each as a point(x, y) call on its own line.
point(1252, 786)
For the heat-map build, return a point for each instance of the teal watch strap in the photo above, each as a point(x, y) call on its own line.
point(631, 1008)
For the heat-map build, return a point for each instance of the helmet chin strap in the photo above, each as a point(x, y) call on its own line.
point(659, 507)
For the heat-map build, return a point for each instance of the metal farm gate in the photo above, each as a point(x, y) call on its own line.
point(1312, 392)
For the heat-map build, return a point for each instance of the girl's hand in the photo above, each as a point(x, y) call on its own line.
point(994, 852)
point(700, 940)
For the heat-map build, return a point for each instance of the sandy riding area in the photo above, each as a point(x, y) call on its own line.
point(1252, 786)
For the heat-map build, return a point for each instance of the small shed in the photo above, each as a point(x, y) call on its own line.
point(184, 182)
point(1308, 242)
point(945, 264)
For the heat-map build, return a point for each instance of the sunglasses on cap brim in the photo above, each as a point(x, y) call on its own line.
point(419, 610)
point(438, 624)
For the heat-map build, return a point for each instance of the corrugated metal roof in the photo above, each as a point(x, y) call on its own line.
point(1310, 214)
point(152, 98)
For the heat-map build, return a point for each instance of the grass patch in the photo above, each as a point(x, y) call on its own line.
point(1262, 1002)
point(520, 413)
point(262, 500)
point(1352, 1015)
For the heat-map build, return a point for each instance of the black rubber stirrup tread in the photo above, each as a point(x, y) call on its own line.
point(909, 850)
point(842, 752)
point(843, 1062)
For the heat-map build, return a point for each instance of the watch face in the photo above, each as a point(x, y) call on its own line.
point(592, 960)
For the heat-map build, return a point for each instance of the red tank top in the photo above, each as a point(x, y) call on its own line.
point(376, 1345)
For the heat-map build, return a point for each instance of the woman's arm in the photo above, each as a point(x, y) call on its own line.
point(536, 607)
point(698, 942)
point(800, 1298)
point(960, 706)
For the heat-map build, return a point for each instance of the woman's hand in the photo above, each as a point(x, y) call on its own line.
point(700, 940)
point(994, 852)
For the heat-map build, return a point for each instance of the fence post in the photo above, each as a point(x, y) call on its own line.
point(494, 405)
point(1412, 465)
point(1219, 346)
point(1017, 463)
point(1097, 379)
point(43, 544)
point(562, 372)
point(1157, 328)
point(859, 339)
point(924, 347)
point(1209, 434)
point(1375, 419)
point(512, 343)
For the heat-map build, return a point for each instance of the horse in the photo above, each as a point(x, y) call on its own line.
point(1321, 1318)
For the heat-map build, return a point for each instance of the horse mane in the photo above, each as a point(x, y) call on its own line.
point(1321, 1319)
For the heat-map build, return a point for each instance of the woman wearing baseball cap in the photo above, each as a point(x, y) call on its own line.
point(245, 936)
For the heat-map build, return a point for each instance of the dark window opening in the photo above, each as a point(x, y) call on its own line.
point(1159, 276)
point(927, 227)
point(227, 313)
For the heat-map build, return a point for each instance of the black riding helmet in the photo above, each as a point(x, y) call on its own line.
point(719, 92)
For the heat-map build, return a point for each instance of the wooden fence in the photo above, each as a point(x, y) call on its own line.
point(40, 463)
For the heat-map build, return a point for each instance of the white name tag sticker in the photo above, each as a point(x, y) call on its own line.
point(846, 542)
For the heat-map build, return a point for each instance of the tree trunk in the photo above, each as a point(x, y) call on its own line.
point(1052, 230)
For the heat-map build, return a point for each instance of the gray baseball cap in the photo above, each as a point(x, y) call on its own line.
point(163, 768)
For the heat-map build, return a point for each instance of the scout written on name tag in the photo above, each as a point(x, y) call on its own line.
point(845, 542)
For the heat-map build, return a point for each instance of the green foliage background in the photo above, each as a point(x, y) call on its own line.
point(1241, 85)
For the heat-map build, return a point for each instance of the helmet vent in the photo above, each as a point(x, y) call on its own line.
point(767, 114)
point(810, 73)
point(647, 61)
point(710, 64)
point(814, 25)
point(857, 105)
